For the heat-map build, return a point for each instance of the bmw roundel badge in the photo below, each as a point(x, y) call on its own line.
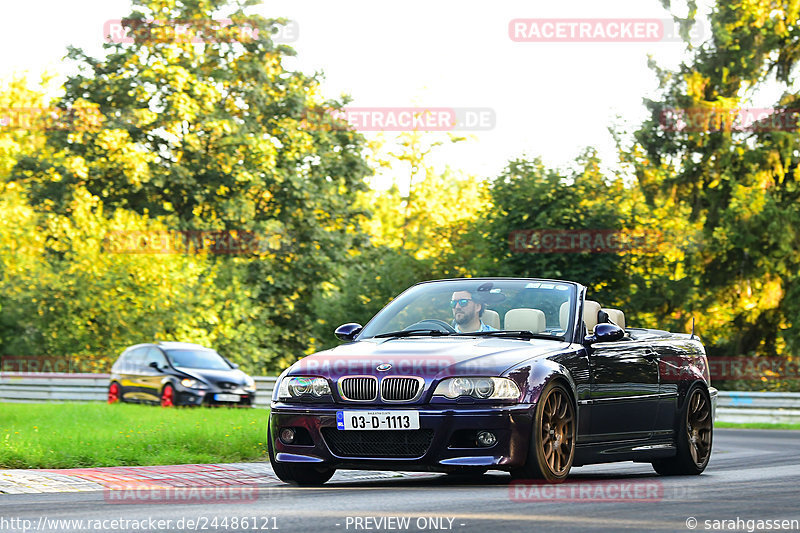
point(384, 367)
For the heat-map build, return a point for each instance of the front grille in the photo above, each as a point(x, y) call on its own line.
point(226, 385)
point(362, 389)
point(365, 443)
point(400, 389)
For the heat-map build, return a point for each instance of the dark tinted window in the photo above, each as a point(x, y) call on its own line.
point(208, 359)
point(131, 360)
point(154, 355)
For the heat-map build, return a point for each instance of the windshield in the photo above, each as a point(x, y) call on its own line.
point(205, 359)
point(478, 306)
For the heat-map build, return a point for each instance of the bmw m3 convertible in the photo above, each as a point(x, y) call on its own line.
point(468, 375)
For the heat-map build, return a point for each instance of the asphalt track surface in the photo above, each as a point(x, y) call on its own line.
point(753, 475)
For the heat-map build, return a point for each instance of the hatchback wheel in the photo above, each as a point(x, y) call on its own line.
point(114, 393)
point(168, 396)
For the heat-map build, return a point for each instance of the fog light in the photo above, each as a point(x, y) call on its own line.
point(287, 435)
point(486, 438)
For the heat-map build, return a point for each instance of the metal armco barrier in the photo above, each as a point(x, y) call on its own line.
point(765, 407)
point(29, 387)
point(768, 407)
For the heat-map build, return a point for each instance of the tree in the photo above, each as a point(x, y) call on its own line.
point(204, 129)
point(735, 176)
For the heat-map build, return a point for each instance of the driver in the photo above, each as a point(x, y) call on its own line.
point(467, 313)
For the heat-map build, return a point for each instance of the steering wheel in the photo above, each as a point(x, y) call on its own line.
point(432, 323)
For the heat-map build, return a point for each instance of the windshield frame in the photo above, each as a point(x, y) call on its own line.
point(576, 292)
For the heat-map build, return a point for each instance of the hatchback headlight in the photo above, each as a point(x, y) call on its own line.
point(193, 384)
point(480, 388)
point(298, 387)
point(249, 384)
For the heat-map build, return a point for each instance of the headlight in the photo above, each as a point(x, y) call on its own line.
point(249, 384)
point(193, 384)
point(480, 388)
point(296, 387)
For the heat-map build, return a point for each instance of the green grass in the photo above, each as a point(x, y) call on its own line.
point(755, 425)
point(71, 435)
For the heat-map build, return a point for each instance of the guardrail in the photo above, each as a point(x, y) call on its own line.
point(741, 407)
point(29, 387)
point(764, 407)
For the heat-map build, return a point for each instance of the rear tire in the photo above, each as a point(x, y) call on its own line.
point(694, 439)
point(552, 446)
point(298, 474)
point(114, 393)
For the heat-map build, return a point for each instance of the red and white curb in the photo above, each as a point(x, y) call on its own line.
point(159, 477)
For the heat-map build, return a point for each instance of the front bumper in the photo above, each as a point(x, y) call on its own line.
point(447, 451)
point(207, 397)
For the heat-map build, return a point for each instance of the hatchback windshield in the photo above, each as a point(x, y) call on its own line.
point(478, 306)
point(207, 359)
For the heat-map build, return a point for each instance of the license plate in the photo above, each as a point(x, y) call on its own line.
point(226, 397)
point(375, 420)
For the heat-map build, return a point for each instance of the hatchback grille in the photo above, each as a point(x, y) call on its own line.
point(400, 389)
point(362, 389)
point(366, 443)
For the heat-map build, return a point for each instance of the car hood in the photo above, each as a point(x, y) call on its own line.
point(425, 357)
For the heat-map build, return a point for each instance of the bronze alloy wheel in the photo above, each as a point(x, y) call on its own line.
point(557, 433)
point(693, 437)
point(552, 447)
point(698, 428)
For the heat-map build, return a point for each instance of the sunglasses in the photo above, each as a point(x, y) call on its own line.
point(463, 302)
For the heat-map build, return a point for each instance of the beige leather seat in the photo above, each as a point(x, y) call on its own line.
point(616, 316)
point(563, 316)
point(590, 310)
point(532, 320)
point(491, 318)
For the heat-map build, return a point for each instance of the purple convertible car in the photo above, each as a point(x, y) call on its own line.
point(468, 375)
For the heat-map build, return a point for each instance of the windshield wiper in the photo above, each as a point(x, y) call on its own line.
point(518, 333)
point(413, 333)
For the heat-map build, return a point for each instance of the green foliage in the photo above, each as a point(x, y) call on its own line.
point(737, 180)
point(169, 134)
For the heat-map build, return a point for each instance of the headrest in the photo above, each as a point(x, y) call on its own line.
point(616, 316)
point(491, 318)
point(525, 319)
point(590, 310)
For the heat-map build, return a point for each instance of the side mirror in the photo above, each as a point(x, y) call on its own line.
point(154, 364)
point(347, 332)
point(605, 333)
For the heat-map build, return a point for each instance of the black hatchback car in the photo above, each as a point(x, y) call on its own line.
point(178, 373)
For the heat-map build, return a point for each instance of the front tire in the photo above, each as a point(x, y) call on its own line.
point(552, 447)
point(297, 474)
point(694, 439)
point(168, 396)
